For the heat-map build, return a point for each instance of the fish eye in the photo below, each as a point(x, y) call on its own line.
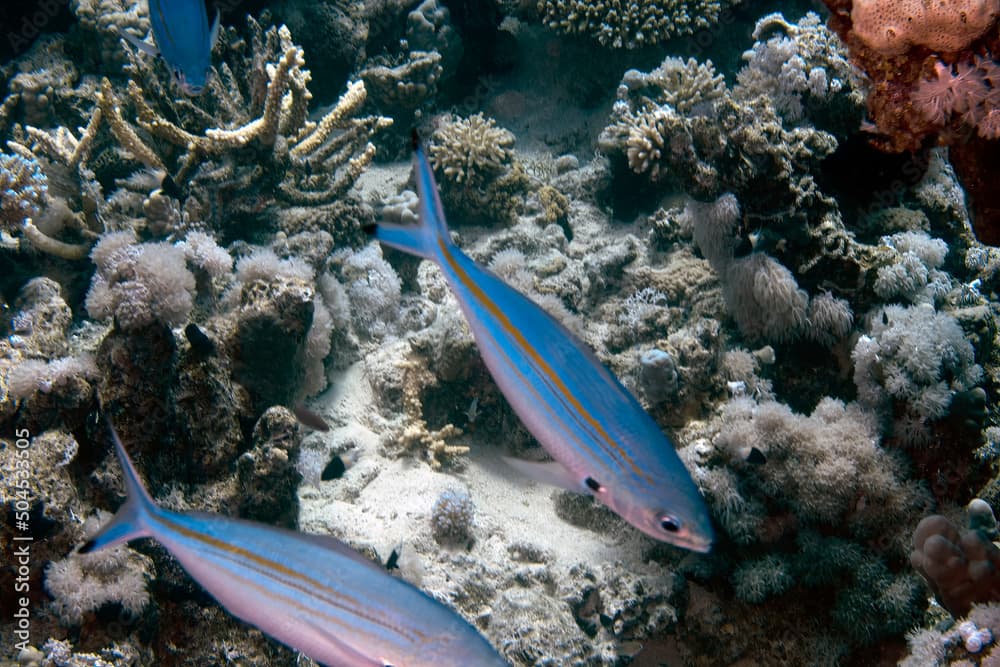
point(670, 524)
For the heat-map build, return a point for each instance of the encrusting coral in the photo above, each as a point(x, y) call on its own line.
point(892, 28)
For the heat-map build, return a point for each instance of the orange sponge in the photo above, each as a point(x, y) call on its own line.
point(892, 27)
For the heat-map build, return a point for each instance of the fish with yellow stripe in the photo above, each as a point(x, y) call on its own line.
point(311, 592)
point(603, 442)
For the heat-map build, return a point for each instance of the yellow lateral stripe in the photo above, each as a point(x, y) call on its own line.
point(537, 358)
point(307, 585)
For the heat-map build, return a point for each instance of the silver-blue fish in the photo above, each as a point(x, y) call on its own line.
point(602, 441)
point(183, 39)
point(311, 592)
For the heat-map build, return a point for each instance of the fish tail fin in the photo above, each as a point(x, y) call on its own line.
point(132, 520)
point(426, 238)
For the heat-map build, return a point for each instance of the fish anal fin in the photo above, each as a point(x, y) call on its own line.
point(336, 653)
point(552, 473)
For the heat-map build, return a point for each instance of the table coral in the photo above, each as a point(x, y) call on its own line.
point(629, 24)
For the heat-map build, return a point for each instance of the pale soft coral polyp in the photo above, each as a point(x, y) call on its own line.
point(892, 27)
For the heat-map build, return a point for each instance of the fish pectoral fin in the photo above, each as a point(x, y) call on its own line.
point(145, 47)
point(335, 653)
point(552, 473)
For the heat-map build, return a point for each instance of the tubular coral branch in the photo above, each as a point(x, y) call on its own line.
point(346, 106)
point(157, 126)
point(123, 131)
point(82, 150)
point(265, 127)
point(51, 246)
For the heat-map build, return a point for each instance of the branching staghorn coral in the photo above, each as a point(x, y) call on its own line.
point(319, 160)
point(246, 144)
point(432, 444)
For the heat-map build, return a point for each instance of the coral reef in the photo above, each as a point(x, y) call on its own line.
point(816, 328)
point(681, 125)
point(479, 178)
point(926, 66)
point(628, 24)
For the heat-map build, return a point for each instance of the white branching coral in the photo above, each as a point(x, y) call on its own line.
point(82, 583)
point(246, 142)
point(916, 356)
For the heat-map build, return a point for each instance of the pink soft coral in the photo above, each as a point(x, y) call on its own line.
point(965, 92)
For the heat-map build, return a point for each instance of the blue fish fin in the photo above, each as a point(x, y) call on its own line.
point(552, 473)
point(132, 520)
point(213, 36)
point(145, 47)
point(425, 238)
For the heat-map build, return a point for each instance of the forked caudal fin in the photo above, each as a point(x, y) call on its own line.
point(132, 520)
point(431, 233)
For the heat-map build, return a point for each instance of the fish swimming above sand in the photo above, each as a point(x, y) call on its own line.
point(603, 442)
point(310, 592)
point(183, 39)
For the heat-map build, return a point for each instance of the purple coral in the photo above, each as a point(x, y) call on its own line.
point(961, 566)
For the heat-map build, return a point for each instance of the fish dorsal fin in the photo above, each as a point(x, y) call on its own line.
point(333, 544)
point(552, 473)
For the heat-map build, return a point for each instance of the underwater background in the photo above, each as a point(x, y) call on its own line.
point(775, 222)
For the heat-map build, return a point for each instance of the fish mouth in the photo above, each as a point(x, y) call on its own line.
point(700, 545)
point(697, 543)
